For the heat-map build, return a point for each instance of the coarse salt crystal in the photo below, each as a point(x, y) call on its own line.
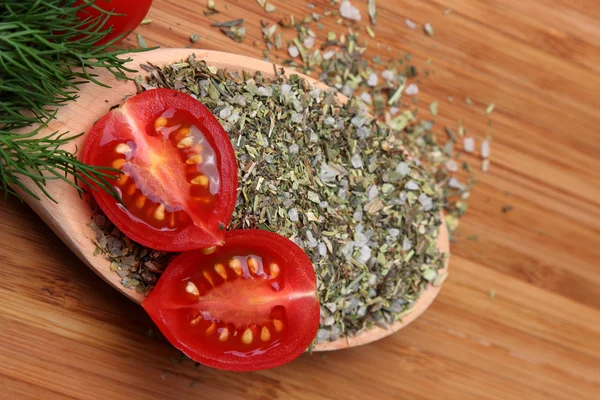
point(451, 165)
point(309, 42)
point(388, 75)
point(265, 91)
point(328, 54)
point(403, 169)
point(293, 214)
point(348, 11)
point(286, 89)
point(485, 149)
point(412, 90)
point(410, 24)
point(425, 201)
point(455, 184)
point(293, 51)
point(366, 97)
point(372, 81)
point(469, 144)
point(411, 185)
point(485, 165)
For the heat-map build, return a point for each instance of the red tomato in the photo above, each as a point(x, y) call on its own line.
point(179, 180)
point(133, 12)
point(249, 305)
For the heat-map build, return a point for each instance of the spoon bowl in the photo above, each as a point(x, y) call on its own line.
point(70, 216)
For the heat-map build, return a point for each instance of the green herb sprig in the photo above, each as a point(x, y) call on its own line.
point(47, 51)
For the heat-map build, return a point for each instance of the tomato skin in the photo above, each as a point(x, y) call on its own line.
point(303, 313)
point(134, 12)
point(147, 106)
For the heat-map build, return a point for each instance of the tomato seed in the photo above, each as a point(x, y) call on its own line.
point(209, 250)
point(247, 336)
point(140, 201)
point(183, 132)
point(224, 335)
point(118, 163)
point(220, 269)
point(192, 289)
point(211, 329)
point(209, 278)
point(200, 180)
point(171, 220)
point(185, 143)
point(278, 324)
point(159, 214)
point(123, 148)
point(131, 189)
point(160, 123)
point(195, 159)
point(196, 320)
point(236, 266)
point(123, 179)
point(265, 335)
point(252, 264)
point(274, 268)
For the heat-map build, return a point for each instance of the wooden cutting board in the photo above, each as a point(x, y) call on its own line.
point(66, 334)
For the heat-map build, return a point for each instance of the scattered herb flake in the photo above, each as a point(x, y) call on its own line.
point(270, 7)
point(370, 32)
point(141, 41)
point(372, 12)
point(433, 108)
point(428, 29)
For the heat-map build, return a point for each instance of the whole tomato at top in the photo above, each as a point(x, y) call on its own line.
point(132, 13)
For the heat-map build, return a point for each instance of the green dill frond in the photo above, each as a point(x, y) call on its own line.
point(46, 53)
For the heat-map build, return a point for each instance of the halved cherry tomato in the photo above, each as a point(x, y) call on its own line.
point(248, 305)
point(179, 178)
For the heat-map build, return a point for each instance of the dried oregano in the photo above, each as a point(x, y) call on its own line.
point(328, 177)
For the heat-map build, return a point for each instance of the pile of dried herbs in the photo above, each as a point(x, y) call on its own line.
point(389, 89)
point(329, 178)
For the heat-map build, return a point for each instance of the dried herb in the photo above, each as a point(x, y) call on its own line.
point(228, 24)
point(138, 266)
point(141, 41)
point(329, 178)
point(373, 12)
point(428, 29)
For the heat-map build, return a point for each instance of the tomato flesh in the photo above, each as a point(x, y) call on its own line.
point(249, 305)
point(179, 178)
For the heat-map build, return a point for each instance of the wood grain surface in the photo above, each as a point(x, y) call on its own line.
point(65, 334)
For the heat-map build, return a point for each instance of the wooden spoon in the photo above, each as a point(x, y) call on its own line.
point(69, 217)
